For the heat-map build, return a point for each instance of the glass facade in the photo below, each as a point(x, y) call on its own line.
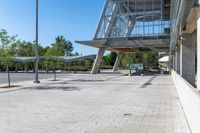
point(133, 18)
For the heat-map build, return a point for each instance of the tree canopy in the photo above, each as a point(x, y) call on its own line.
point(149, 59)
point(61, 47)
point(11, 46)
point(6, 43)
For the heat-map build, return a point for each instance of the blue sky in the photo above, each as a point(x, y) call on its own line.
point(74, 19)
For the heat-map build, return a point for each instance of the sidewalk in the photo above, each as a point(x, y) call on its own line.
point(94, 104)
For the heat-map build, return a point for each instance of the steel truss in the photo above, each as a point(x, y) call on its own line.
point(134, 18)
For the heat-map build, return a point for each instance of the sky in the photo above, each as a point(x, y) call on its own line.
point(74, 19)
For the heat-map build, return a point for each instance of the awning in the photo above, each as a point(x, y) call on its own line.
point(65, 59)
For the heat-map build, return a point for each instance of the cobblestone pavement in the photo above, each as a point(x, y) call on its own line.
point(95, 104)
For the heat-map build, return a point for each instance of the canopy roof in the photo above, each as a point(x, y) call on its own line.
point(65, 59)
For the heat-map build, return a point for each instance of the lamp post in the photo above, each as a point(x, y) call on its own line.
point(36, 47)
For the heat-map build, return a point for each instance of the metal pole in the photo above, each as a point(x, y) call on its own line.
point(8, 71)
point(36, 47)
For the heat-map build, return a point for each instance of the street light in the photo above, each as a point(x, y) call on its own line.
point(36, 47)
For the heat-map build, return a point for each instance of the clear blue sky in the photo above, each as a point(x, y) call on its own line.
point(74, 19)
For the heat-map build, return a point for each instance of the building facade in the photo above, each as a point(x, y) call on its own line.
point(184, 40)
point(169, 26)
point(131, 26)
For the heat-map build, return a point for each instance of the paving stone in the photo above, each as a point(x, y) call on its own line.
point(110, 104)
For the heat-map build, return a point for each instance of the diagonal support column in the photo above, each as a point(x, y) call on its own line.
point(117, 62)
point(98, 60)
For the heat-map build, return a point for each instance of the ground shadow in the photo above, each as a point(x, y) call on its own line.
point(148, 82)
point(68, 88)
point(9, 87)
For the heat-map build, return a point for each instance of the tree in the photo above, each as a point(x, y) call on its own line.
point(10, 47)
point(130, 58)
point(109, 60)
point(61, 47)
point(6, 52)
point(112, 57)
point(150, 59)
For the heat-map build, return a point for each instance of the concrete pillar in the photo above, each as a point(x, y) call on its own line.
point(117, 62)
point(178, 59)
point(175, 58)
point(181, 59)
point(170, 62)
point(98, 61)
point(198, 49)
point(188, 58)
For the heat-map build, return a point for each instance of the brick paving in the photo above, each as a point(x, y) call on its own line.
point(95, 104)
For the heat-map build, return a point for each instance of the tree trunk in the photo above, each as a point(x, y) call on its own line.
point(16, 67)
point(47, 71)
point(8, 76)
point(54, 74)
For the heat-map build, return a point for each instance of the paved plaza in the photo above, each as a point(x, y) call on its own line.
point(94, 104)
point(18, 77)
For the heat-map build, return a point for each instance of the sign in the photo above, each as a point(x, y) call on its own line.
point(136, 66)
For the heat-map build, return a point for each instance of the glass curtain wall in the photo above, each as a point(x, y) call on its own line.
point(133, 18)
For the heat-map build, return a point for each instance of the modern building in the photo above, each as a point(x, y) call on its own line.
point(185, 56)
point(144, 25)
point(132, 26)
point(184, 44)
point(170, 26)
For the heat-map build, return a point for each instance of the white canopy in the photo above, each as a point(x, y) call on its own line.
point(164, 59)
point(65, 59)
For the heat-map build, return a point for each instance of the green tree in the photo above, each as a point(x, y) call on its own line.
point(150, 59)
point(109, 60)
point(130, 58)
point(61, 47)
point(6, 42)
point(112, 57)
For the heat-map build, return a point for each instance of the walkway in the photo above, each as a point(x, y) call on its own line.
point(95, 104)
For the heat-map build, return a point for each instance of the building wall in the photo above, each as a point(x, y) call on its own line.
point(188, 58)
point(190, 100)
point(184, 46)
